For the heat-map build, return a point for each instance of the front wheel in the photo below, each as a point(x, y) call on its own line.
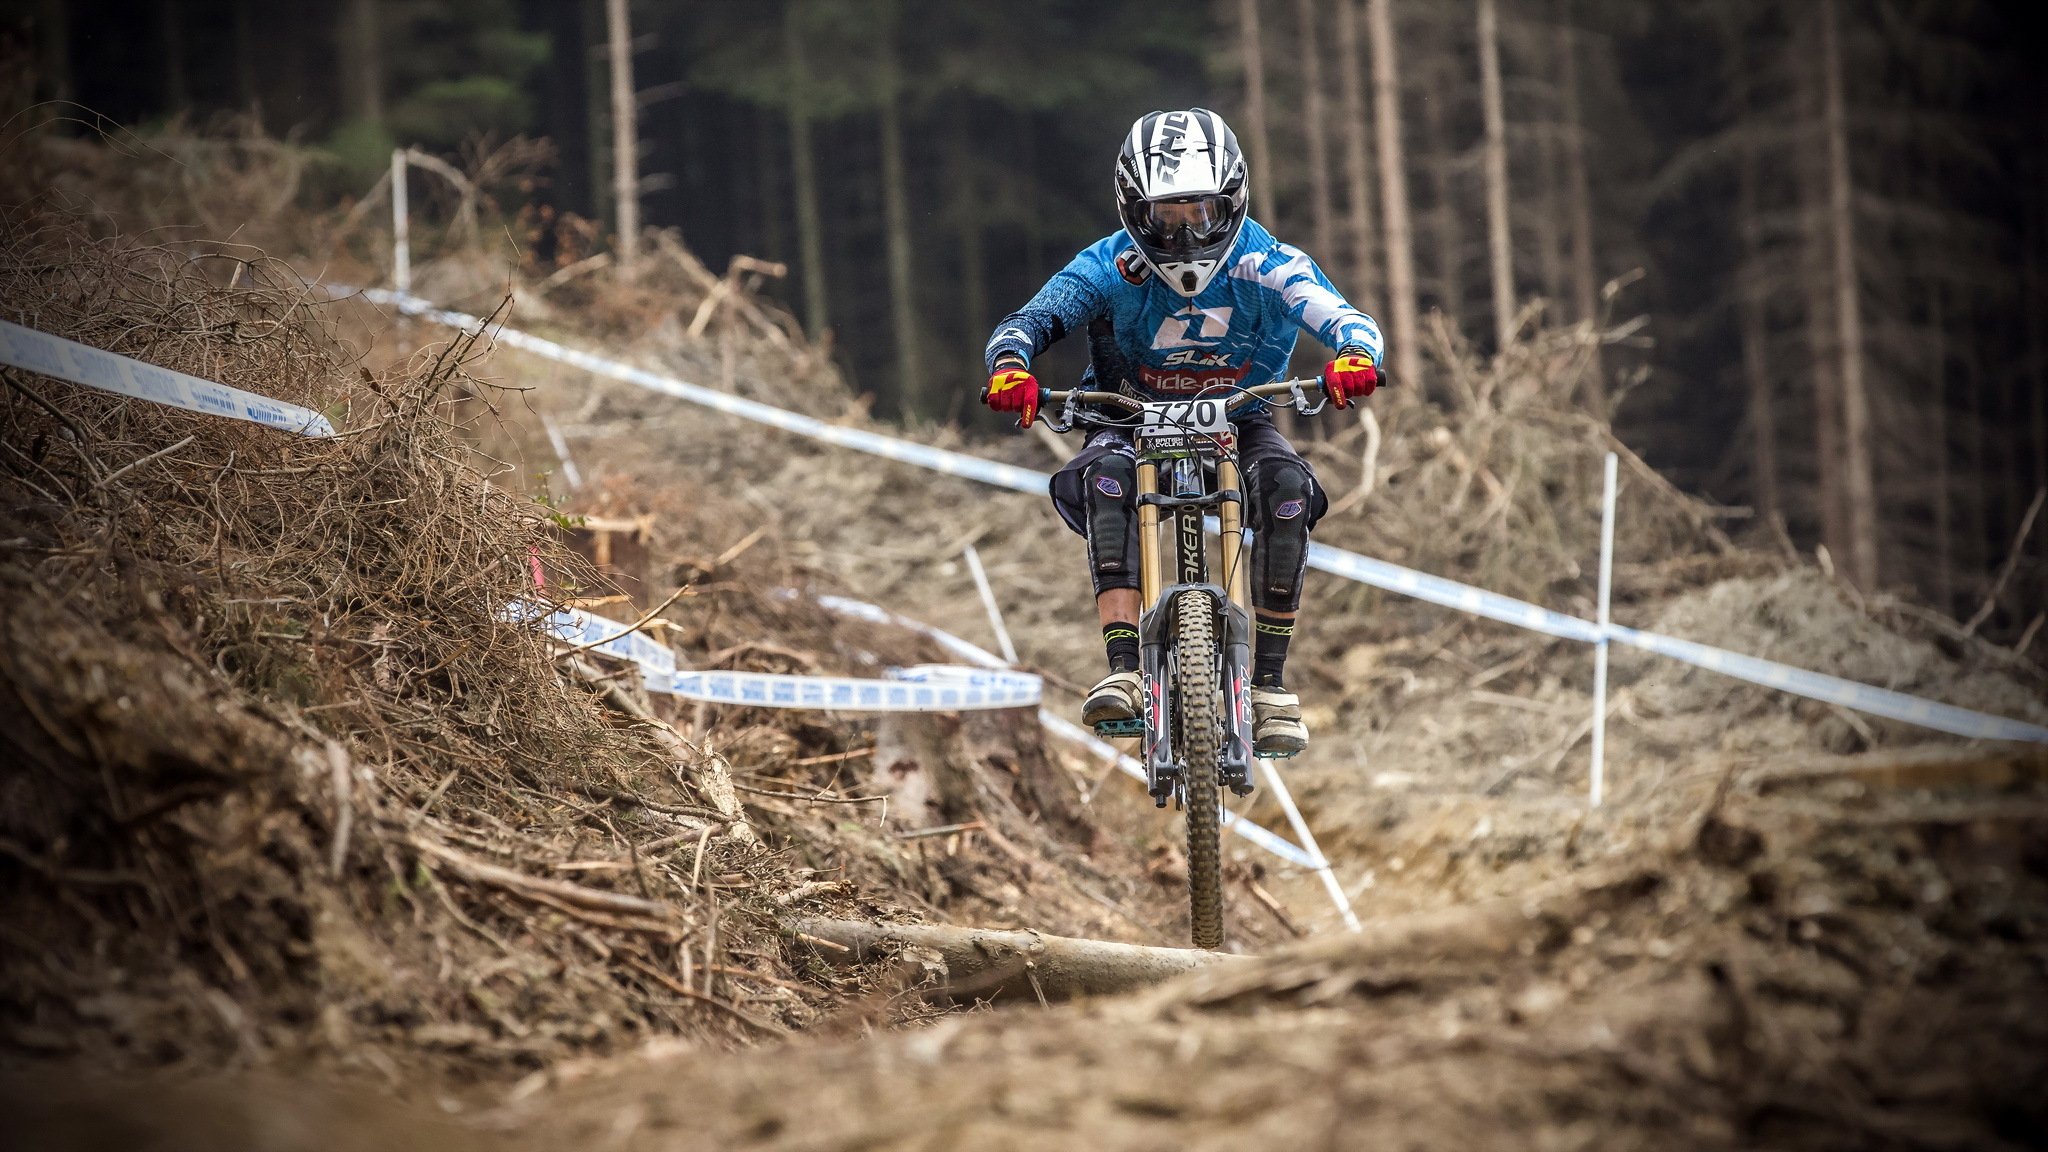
point(1199, 719)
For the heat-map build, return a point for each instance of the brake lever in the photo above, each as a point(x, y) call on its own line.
point(1301, 401)
point(1065, 421)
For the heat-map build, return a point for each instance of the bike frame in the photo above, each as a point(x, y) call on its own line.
point(1182, 507)
point(1171, 515)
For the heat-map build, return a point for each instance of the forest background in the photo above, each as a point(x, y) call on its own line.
point(1826, 220)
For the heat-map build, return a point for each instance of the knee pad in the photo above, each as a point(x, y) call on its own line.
point(1110, 495)
point(1282, 497)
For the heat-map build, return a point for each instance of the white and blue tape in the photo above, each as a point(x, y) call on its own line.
point(1336, 561)
point(921, 688)
point(1833, 689)
point(126, 376)
point(580, 628)
point(931, 688)
point(1450, 593)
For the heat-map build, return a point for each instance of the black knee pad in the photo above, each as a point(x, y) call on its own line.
point(1111, 495)
point(1283, 505)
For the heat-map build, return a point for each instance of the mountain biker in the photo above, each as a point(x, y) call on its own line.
point(1190, 297)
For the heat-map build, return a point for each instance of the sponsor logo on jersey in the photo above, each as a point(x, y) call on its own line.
point(1288, 509)
point(1132, 267)
point(1108, 486)
point(1193, 327)
point(1180, 381)
point(1196, 358)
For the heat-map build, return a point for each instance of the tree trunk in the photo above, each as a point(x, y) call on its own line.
point(968, 225)
point(177, 82)
point(896, 208)
point(1550, 211)
point(972, 964)
point(625, 137)
point(1317, 128)
point(1578, 191)
point(1937, 432)
point(1751, 316)
point(597, 115)
point(53, 48)
point(769, 194)
point(1450, 237)
point(1976, 557)
point(1365, 281)
point(1858, 488)
point(247, 94)
point(362, 73)
point(1252, 48)
point(946, 768)
point(1499, 239)
point(810, 231)
point(1394, 198)
point(1821, 332)
point(2030, 406)
point(917, 764)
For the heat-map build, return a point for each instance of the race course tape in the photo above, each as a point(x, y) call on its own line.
point(125, 376)
point(922, 688)
point(1833, 689)
point(930, 688)
point(1335, 561)
point(575, 626)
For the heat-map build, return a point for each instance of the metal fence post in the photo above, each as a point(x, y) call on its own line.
point(401, 230)
point(1599, 781)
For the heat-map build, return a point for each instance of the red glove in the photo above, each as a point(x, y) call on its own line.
point(1013, 390)
point(1351, 376)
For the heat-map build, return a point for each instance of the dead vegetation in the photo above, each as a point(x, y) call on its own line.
point(287, 775)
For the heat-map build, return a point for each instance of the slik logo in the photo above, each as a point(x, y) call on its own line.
point(1196, 358)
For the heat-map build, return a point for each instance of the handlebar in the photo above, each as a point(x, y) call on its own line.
point(1239, 399)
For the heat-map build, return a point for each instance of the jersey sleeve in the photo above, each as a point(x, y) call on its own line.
point(1307, 298)
point(1067, 303)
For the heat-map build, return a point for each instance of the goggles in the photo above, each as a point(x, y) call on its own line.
point(1186, 224)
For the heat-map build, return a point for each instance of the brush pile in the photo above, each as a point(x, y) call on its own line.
point(285, 774)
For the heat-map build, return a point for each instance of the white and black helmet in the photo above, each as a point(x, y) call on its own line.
point(1181, 190)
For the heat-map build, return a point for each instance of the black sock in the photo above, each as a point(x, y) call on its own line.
point(1122, 641)
point(1269, 648)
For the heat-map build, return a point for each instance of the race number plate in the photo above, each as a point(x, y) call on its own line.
point(1183, 424)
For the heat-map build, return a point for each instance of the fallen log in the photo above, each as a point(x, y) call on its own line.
point(973, 964)
point(1422, 941)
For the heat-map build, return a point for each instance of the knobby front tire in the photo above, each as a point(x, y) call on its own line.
point(1200, 722)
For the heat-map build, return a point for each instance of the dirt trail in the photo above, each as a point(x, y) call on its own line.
point(1812, 960)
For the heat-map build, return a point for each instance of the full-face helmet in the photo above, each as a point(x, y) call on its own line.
point(1182, 193)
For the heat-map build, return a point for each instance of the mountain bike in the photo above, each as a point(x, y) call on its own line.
point(1195, 634)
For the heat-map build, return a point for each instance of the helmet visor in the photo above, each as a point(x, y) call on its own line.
point(1186, 224)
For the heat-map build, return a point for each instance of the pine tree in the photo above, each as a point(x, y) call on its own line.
point(1400, 232)
point(804, 172)
point(1500, 243)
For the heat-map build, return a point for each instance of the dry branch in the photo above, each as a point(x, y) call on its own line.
point(988, 965)
point(520, 883)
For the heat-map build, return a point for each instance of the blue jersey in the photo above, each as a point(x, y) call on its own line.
point(1239, 330)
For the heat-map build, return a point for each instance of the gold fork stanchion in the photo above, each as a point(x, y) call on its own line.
point(1236, 576)
point(1148, 536)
